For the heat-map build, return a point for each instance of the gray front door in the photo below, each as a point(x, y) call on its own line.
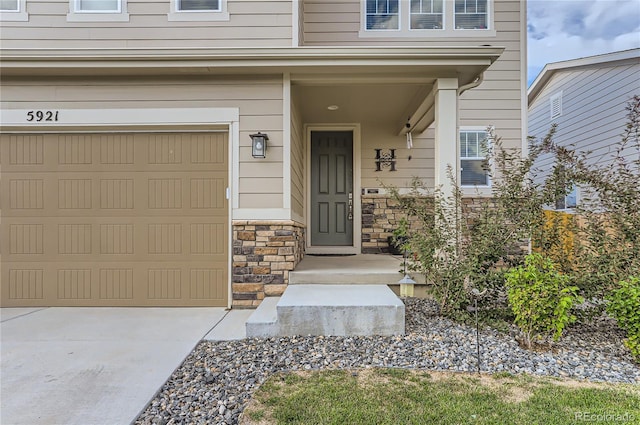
point(332, 188)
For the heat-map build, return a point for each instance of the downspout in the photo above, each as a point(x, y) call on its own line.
point(471, 85)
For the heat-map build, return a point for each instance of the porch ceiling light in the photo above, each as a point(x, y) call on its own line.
point(333, 107)
point(259, 145)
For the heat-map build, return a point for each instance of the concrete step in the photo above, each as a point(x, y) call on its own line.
point(263, 321)
point(363, 269)
point(384, 277)
point(318, 309)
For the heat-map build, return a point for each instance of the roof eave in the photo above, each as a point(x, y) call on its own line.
point(238, 60)
point(549, 69)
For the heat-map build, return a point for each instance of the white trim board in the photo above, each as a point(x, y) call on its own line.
point(10, 118)
point(286, 141)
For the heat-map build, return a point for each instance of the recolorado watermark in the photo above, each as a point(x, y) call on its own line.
point(605, 417)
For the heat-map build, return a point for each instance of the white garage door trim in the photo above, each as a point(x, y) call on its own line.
point(138, 119)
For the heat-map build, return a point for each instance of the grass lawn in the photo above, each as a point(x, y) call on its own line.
point(398, 396)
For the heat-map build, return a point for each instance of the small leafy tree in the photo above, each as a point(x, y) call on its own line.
point(457, 244)
point(453, 245)
point(624, 305)
point(432, 241)
point(541, 299)
point(608, 231)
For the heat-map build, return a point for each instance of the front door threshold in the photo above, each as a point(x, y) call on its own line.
point(333, 250)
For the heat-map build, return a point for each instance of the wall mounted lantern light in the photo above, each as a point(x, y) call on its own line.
point(259, 145)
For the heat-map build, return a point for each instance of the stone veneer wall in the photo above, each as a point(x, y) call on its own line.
point(381, 215)
point(264, 252)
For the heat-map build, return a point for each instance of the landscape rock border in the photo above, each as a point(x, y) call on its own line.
point(215, 382)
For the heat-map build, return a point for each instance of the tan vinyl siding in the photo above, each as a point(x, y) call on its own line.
point(377, 135)
point(594, 99)
point(251, 24)
point(297, 162)
point(259, 100)
point(497, 101)
point(338, 23)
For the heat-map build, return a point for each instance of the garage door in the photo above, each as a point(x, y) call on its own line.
point(114, 219)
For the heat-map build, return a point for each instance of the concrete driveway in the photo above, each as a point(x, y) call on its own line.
point(97, 365)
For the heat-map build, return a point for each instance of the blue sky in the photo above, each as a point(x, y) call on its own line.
point(568, 29)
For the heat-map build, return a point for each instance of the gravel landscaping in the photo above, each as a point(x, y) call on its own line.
point(217, 379)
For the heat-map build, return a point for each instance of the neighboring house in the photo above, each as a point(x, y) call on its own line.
point(128, 171)
point(587, 99)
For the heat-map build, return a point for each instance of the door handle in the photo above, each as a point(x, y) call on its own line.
point(350, 215)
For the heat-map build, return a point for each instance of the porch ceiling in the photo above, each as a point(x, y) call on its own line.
point(385, 104)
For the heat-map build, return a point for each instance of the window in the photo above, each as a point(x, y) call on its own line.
point(569, 201)
point(9, 6)
point(98, 11)
point(556, 105)
point(471, 14)
point(432, 18)
point(566, 191)
point(13, 10)
point(382, 15)
point(198, 5)
point(427, 14)
point(198, 10)
point(474, 169)
point(97, 6)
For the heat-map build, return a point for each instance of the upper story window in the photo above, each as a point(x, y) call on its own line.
point(427, 18)
point(427, 14)
point(471, 14)
point(13, 10)
point(382, 14)
point(474, 169)
point(9, 5)
point(198, 5)
point(198, 10)
point(97, 11)
point(98, 6)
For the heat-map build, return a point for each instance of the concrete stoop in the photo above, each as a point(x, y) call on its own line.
point(318, 309)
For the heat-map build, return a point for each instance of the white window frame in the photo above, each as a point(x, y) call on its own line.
point(78, 15)
point(365, 15)
point(19, 15)
point(489, 131)
point(198, 15)
point(473, 29)
point(555, 105)
point(576, 194)
point(448, 30)
point(443, 14)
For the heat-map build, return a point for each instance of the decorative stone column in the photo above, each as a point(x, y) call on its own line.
point(264, 252)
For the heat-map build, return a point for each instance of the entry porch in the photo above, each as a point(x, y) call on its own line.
point(336, 295)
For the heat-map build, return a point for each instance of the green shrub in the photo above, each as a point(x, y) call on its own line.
point(625, 307)
point(540, 298)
